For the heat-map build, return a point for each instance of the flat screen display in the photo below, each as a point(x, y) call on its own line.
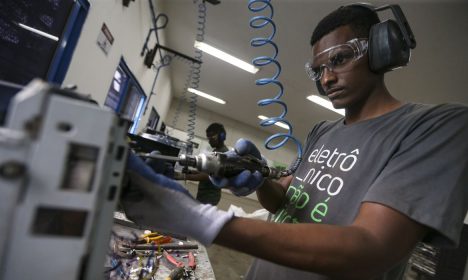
point(153, 119)
point(30, 31)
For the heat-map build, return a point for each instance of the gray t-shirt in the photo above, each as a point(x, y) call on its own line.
point(413, 159)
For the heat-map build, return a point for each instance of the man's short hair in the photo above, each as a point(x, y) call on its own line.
point(216, 128)
point(359, 18)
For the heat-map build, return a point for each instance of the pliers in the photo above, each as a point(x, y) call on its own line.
point(155, 238)
point(180, 269)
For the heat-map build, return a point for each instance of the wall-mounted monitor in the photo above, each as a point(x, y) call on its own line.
point(163, 127)
point(38, 37)
point(125, 95)
point(153, 119)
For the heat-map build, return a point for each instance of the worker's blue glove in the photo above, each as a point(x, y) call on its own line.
point(245, 182)
point(137, 165)
point(153, 200)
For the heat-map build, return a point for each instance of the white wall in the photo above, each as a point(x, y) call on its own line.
point(234, 131)
point(92, 70)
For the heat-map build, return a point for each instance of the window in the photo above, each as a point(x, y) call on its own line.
point(126, 96)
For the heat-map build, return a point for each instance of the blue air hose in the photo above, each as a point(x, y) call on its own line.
point(258, 22)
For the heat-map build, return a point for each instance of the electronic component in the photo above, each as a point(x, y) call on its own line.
point(62, 160)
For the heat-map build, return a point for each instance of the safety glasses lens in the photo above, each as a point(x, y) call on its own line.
point(340, 57)
point(313, 73)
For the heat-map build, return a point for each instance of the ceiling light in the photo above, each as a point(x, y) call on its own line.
point(226, 57)
point(42, 33)
point(325, 103)
point(280, 124)
point(207, 96)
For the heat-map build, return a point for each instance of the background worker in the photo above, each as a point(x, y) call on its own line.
point(207, 192)
point(370, 186)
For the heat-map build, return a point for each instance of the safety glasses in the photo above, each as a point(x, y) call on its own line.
point(336, 59)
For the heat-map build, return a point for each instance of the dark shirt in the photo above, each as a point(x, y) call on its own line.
point(207, 192)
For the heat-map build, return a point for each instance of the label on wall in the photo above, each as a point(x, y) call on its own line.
point(105, 39)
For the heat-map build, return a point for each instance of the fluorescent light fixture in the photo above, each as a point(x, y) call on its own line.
point(325, 103)
point(280, 124)
point(39, 32)
point(226, 57)
point(205, 95)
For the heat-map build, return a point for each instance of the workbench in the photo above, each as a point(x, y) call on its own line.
point(131, 267)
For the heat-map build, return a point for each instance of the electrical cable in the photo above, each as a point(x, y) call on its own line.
point(259, 22)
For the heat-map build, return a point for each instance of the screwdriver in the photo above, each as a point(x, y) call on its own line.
point(220, 165)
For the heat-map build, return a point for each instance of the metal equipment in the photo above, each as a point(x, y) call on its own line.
point(221, 165)
point(62, 160)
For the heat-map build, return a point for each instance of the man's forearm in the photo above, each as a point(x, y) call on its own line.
point(272, 193)
point(325, 250)
point(363, 250)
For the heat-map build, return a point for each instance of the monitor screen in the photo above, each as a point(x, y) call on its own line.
point(118, 82)
point(30, 32)
point(125, 96)
point(153, 119)
point(163, 127)
point(132, 102)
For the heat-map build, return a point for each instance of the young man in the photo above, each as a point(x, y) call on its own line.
point(370, 186)
point(207, 192)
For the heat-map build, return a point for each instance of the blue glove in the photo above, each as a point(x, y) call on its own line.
point(245, 182)
point(137, 165)
point(160, 166)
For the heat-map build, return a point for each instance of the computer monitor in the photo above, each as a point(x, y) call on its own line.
point(37, 38)
point(163, 127)
point(153, 119)
point(125, 96)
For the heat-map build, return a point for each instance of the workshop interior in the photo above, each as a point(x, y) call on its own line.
point(85, 82)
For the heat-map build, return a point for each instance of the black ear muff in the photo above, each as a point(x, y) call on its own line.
point(222, 136)
point(387, 47)
point(390, 42)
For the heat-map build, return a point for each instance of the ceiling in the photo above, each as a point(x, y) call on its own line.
point(437, 72)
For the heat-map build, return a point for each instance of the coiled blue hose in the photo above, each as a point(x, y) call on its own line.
point(195, 70)
point(258, 22)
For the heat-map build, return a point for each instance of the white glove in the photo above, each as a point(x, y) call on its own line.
point(153, 201)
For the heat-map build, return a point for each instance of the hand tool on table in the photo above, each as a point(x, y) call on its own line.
point(180, 270)
point(166, 246)
point(155, 238)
